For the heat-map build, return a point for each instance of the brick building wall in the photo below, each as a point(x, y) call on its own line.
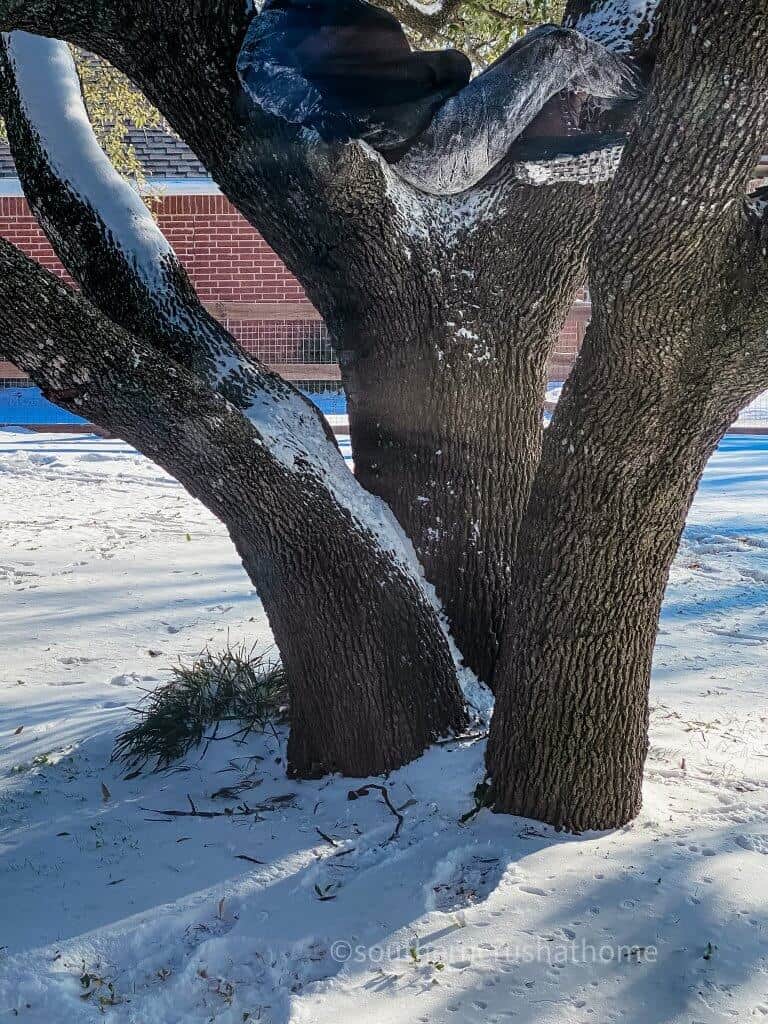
point(242, 282)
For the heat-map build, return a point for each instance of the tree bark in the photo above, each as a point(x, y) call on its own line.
point(445, 379)
point(371, 674)
point(569, 735)
point(658, 381)
point(427, 350)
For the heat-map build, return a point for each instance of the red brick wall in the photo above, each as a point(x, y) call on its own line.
point(226, 259)
point(229, 262)
point(19, 226)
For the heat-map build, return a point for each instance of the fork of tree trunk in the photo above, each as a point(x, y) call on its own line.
point(549, 551)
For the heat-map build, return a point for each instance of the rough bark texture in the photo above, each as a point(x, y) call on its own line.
point(445, 402)
point(371, 675)
point(451, 437)
point(390, 272)
point(372, 680)
point(658, 382)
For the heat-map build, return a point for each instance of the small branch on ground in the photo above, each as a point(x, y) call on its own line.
point(354, 794)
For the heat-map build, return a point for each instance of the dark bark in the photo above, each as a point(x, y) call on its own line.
point(371, 676)
point(372, 680)
point(657, 383)
point(387, 273)
point(659, 379)
point(445, 379)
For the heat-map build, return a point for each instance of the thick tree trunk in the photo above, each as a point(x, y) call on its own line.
point(445, 379)
point(372, 682)
point(371, 676)
point(454, 462)
point(569, 737)
point(657, 382)
point(444, 309)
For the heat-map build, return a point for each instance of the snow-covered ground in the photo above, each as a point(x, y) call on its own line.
point(308, 909)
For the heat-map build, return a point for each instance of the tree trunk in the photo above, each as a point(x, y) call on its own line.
point(445, 310)
point(659, 379)
point(445, 379)
point(370, 672)
point(372, 683)
point(569, 736)
point(655, 387)
point(371, 676)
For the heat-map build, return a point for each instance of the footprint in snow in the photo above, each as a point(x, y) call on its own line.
point(131, 679)
point(213, 928)
point(466, 877)
point(755, 842)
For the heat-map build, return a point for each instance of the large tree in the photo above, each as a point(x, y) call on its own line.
point(550, 564)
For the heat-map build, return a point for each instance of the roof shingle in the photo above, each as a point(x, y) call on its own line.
point(162, 155)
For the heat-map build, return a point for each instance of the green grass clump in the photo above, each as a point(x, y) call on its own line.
point(238, 685)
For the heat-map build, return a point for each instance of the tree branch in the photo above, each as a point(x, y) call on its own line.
point(427, 18)
point(259, 162)
point(681, 186)
point(108, 241)
point(475, 130)
point(697, 142)
point(320, 561)
point(106, 238)
point(625, 26)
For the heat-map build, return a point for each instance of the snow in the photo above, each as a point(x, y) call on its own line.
point(757, 204)
point(104, 559)
point(427, 8)
point(589, 168)
point(615, 22)
point(49, 91)
point(475, 129)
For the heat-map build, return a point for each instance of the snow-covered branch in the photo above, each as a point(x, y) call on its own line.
point(109, 242)
point(624, 26)
point(592, 160)
point(478, 127)
point(427, 18)
point(306, 540)
point(105, 236)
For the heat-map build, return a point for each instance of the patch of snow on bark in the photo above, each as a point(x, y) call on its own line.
point(51, 98)
point(590, 168)
point(757, 205)
point(474, 130)
point(427, 8)
point(424, 217)
point(615, 23)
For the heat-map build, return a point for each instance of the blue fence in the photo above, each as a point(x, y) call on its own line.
point(26, 406)
point(21, 407)
point(331, 402)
